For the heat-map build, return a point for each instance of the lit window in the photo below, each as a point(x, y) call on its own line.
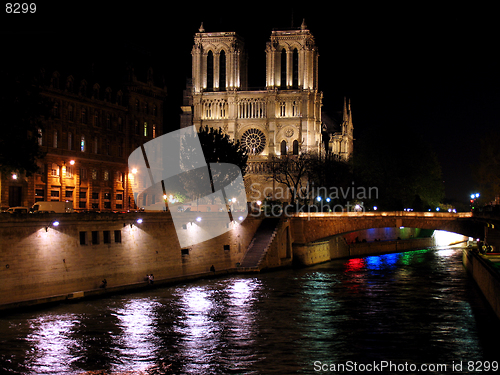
point(40, 137)
point(145, 129)
point(82, 143)
point(154, 131)
point(106, 175)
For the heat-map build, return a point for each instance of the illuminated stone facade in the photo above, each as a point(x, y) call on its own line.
point(92, 132)
point(283, 118)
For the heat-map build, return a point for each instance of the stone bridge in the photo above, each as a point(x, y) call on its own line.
point(312, 227)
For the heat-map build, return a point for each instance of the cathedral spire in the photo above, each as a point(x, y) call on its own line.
point(345, 114)
point(303, 26)
point(201, 29)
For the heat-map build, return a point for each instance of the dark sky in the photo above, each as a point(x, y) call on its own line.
point(407, 68)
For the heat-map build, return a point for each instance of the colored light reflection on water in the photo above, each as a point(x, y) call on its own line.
point(415, 307)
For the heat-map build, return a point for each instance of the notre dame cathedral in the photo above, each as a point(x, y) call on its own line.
point(284, 118)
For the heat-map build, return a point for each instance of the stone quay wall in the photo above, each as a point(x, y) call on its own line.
point(41, 262)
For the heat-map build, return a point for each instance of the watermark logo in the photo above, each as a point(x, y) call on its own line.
point(275, 201)
point(174, 165)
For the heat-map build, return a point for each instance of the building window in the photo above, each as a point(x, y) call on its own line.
point(94, 174)
point(82, 143)
point(295, 147)
point(145, 129)
point(96, 118)
point(40, 137)
point(55, 170)
point(54, 193)
point(210, 71)
point(83, 194)
point(39, 195)
point(222, 71)
point(283, 69)
point(69, 172)
point(295, 69)
point(136, 126)
point(184, 252)
point(70, 141)
point(83, 174)
point(118, 236)
point(108, 121)
point(71, 115)
point(137, 105)
point(119, 196)
point(95, 195)
point(120, 124)
point(69, 193)
point(83, 238)
point(84, 116)
point(95, 237)
point(95, 145)
point(106, 236)
point(54, 143)
point(105, 176)
point(283, 147)
point(56, 110)
point(155, 110)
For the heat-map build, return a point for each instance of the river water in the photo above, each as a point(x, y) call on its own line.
point(391, 314)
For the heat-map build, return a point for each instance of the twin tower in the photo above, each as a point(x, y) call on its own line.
point(282, 118)
point(220, 63)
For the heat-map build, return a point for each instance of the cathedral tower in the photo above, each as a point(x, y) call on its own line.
point(292, 60)
point(219, 62)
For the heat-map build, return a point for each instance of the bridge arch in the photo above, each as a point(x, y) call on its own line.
point(313, 227)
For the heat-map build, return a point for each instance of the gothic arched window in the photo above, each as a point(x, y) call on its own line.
point(222, 71)
point(210, 71)
point(283, 68)
point(295, 147)
point(295, 69)
point(283, 147)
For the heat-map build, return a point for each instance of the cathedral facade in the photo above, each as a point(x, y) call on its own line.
point(284, 118)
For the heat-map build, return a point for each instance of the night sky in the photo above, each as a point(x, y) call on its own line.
point(407, 68)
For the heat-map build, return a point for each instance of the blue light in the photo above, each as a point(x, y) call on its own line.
point(139, 221)
point(328, 200)
point(318, 199)
point(55, 223)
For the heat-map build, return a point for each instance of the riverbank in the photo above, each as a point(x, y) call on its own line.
point(483, 270)
point(355, 250)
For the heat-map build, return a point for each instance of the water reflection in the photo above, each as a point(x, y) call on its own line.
point(414, 306)
point(50, 343)
point(136, 342)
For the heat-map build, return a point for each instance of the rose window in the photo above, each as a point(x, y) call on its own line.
point(254, 141)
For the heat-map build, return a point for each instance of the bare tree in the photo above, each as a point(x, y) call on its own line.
point(294, 171)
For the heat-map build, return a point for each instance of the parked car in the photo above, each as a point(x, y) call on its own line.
point(18, 210)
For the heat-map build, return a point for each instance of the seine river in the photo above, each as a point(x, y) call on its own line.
point(390, 314)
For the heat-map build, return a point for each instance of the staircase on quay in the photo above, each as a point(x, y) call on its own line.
point(260, 243)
